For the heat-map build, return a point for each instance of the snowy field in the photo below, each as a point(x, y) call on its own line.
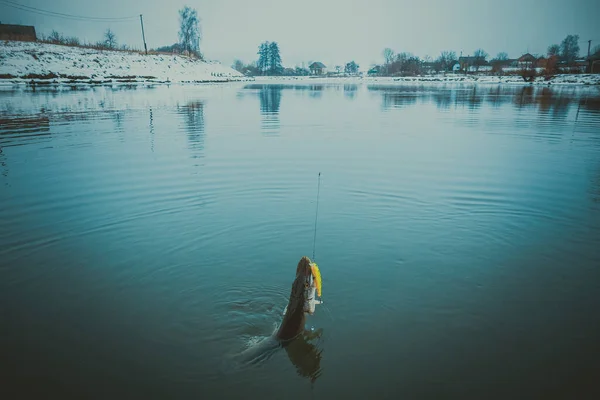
point(22, 62)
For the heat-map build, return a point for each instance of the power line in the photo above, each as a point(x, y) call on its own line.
point(48, 13)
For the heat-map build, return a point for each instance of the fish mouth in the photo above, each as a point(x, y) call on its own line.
point(306, 295)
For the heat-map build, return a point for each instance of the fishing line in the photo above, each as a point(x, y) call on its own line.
point(328, 312)
point(316, 216)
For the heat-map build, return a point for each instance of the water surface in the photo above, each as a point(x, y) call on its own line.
point(147, 234)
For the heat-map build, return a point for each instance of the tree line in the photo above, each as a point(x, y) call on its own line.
point(108, 41)
point(404, 63)
point(558, 58)
point(269, 63)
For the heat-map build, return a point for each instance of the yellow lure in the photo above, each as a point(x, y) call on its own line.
point(317, 277)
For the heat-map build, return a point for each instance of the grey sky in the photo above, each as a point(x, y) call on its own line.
point(333, 31)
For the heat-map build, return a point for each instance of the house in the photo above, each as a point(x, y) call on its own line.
point(594, 63)
point(374, 71)
point(573, 67)
point(317, 68)
point(429, 67)
point(526, 61)
point(22, 33)
point(466, 61)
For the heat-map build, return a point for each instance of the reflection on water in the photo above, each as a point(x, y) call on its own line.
point(270, 100)
point(27, 127)
point(350, 91)
point(395, 97)
point(450, 218)
point(3, 164)
point(316, 91)
point(151, 128)
point(595, 187)
point(543, 98)
point(305, 355)
point(193, 114)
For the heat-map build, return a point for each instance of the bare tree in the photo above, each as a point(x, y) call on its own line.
point(553, 50)
point(55, 37)
point(480, 58)
point(502, 56)
point(72, 41)
point(189, 30)
point(110, 39)
point(388, 55)
point(446, 59)
point(398, 64)
point(238, 65)
point(499, 62)
point(570, 48)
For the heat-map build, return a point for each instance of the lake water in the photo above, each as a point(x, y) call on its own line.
point(148, 234)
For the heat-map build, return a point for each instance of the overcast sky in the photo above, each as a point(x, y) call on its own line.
point(332, 31)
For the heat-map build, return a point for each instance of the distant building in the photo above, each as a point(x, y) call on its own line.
point(574, 67)
point(429, 67)
point(317, 68)
point(374, 71)
point(526, 61)
point(594, 63)
point(473, 64)
point(17, 32)
point(466, 62)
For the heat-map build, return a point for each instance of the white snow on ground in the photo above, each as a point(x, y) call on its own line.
point(20, 59)
point(577, 79)
point(22, 62)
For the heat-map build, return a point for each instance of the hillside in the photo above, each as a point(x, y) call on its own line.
point(48, 63)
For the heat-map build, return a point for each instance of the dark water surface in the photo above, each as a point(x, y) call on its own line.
point(147, 235)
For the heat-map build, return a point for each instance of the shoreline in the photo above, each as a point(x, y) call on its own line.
point(561, 79)
point(585, 80)
point(581, 80)
point(35, 64)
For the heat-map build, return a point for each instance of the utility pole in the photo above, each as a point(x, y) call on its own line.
point(590, 62)
point(143, 36)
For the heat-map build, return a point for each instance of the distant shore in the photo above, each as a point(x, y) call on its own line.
point(562, 79)
point(31, 63)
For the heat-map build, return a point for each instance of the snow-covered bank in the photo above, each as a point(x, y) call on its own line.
point(578, 79)
point(22, 62)
point(42, 63)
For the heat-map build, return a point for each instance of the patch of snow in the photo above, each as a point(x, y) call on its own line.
point(25, 60)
